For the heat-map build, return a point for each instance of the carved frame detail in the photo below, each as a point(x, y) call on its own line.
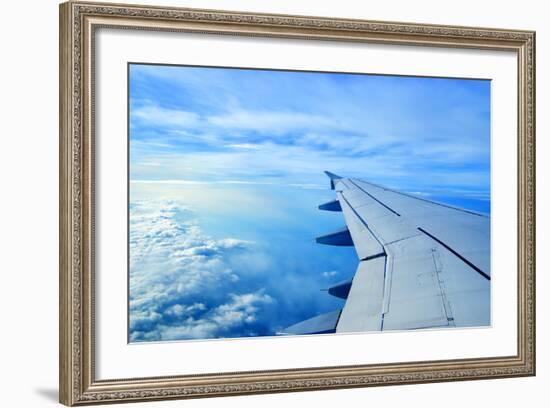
point(78, 20)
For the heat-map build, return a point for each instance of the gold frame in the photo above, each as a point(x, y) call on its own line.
point(78, 22)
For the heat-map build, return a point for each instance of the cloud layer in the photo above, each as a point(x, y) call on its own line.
point(412, 133)
point(181, 283)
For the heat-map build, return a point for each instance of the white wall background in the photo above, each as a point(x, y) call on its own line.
point(28, 204)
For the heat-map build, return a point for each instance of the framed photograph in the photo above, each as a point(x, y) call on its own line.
point(255, 203)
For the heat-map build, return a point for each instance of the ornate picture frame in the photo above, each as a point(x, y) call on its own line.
point(79, 22)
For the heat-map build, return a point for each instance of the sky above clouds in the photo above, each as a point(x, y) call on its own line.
point(226, 171)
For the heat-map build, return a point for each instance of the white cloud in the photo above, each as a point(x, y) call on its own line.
point(181, 310)
point(308, 186)
point(329, 274)
point(272, 122)
point(179, 181)
point(152, 115)
point(246, 146)
point(181, 282)
point(240, 308)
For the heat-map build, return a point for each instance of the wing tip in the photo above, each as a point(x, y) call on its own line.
point(332, 176)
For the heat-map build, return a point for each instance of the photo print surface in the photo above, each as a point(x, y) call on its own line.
point(267, 202)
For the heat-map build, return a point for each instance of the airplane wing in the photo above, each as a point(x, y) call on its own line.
point(422, 264)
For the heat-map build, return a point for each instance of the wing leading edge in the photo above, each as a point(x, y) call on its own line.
point(422, 264)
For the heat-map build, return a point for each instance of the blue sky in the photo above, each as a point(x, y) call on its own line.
point(226, 171)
